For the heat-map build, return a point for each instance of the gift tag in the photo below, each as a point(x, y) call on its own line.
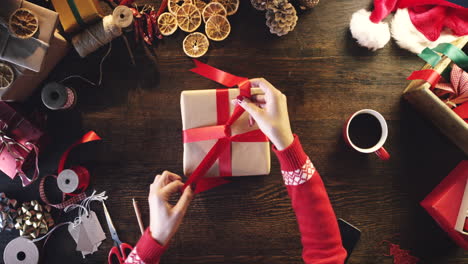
point(93, 228)
point(74, 232)
point(84, 242)
point(88, 234)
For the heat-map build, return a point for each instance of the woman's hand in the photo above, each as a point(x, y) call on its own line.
point(270, 111)
point(165, 218)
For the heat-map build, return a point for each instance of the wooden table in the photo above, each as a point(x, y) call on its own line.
point(326, 77)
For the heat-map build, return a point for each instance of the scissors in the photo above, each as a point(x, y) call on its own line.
point(120, 251)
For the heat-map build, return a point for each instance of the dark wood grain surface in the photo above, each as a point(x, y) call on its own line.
point(326, 77)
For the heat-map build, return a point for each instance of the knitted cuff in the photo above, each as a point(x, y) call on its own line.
point(292, 157)
point(148, 249)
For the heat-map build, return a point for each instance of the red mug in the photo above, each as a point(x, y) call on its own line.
point(378, 148)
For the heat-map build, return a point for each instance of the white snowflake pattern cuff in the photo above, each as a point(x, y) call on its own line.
point(299, 176)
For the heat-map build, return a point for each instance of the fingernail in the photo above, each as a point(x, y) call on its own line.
point(240, 98)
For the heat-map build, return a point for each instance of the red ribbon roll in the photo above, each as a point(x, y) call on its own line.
point(221, 150)
point(82, 172)
point(73, 181)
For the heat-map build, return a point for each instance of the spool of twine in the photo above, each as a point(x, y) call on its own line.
point(96, 36)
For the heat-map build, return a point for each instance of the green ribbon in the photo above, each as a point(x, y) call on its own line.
point(76, 12)
point(455, 54)
point(430, 56)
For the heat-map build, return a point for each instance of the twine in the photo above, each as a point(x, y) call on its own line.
point(96, 36)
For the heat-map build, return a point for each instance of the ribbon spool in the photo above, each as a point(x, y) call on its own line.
point(122, 16)
point(73, 181)
point(56, 96)
point(21, 251)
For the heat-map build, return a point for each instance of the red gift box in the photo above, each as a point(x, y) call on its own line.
point(443, 203)
point(19, 144)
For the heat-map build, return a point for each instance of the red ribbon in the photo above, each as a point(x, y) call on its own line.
point(88, 137)
point(221, 150)
point(429, 75)
point(462, 111)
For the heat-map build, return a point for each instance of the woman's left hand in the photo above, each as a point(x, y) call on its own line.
point(165, 218)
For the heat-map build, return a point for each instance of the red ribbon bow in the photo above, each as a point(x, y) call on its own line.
point(222, 132)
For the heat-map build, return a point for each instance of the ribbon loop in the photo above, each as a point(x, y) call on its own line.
point(88, 137)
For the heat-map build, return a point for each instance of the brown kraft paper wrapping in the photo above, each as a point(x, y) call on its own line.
point(198, 108)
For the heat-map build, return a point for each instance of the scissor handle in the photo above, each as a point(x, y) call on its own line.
point(115, 257)
point(126, 249)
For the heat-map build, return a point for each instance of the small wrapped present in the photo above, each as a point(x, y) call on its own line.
point(20, 141)
point(27, 53)
point(445, 201)
point(26, 81)
point(218, 139)
point(76, 14)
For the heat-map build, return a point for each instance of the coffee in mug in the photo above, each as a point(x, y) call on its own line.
point(366, 131)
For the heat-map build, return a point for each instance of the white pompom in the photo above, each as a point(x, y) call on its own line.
point(368, 34)
point(408, 37)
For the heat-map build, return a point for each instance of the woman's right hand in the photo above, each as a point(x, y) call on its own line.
point(270, 111)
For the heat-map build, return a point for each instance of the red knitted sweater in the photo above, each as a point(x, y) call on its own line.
point(320, 235)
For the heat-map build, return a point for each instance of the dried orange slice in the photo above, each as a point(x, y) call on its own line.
point(195, 45)
point(200, 4)
point(23, 23)
point(217, 28)
point(167, 23)
point(6, 75)
point(188, 17)
point(230, 5)
point(174, 5)
point(213, 8)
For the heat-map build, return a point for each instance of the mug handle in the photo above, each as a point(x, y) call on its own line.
point(382, 153)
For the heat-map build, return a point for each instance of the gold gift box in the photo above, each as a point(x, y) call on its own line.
point(419, 94)
point(75, 14)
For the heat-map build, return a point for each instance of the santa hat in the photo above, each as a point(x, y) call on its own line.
point(417, 24)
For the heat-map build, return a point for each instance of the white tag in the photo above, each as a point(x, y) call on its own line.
point(93, 228)
point(74, 232)
point(88, 234)
point(84, 243)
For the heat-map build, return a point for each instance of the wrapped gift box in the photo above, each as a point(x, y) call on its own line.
point(419, 94)
point(199, 109)
point(443, 203)
point(76, 14)
point(27, 53)
point(17, 136)
point(26, 81)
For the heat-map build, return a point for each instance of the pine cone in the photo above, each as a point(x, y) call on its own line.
point(281, 17)
point(307, 4)
point(259, 4)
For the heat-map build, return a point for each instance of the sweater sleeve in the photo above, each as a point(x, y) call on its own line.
point(146, 251)
point(320, 235)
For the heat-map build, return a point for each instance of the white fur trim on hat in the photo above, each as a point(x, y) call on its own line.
point(408, 37)
point(368, 34)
